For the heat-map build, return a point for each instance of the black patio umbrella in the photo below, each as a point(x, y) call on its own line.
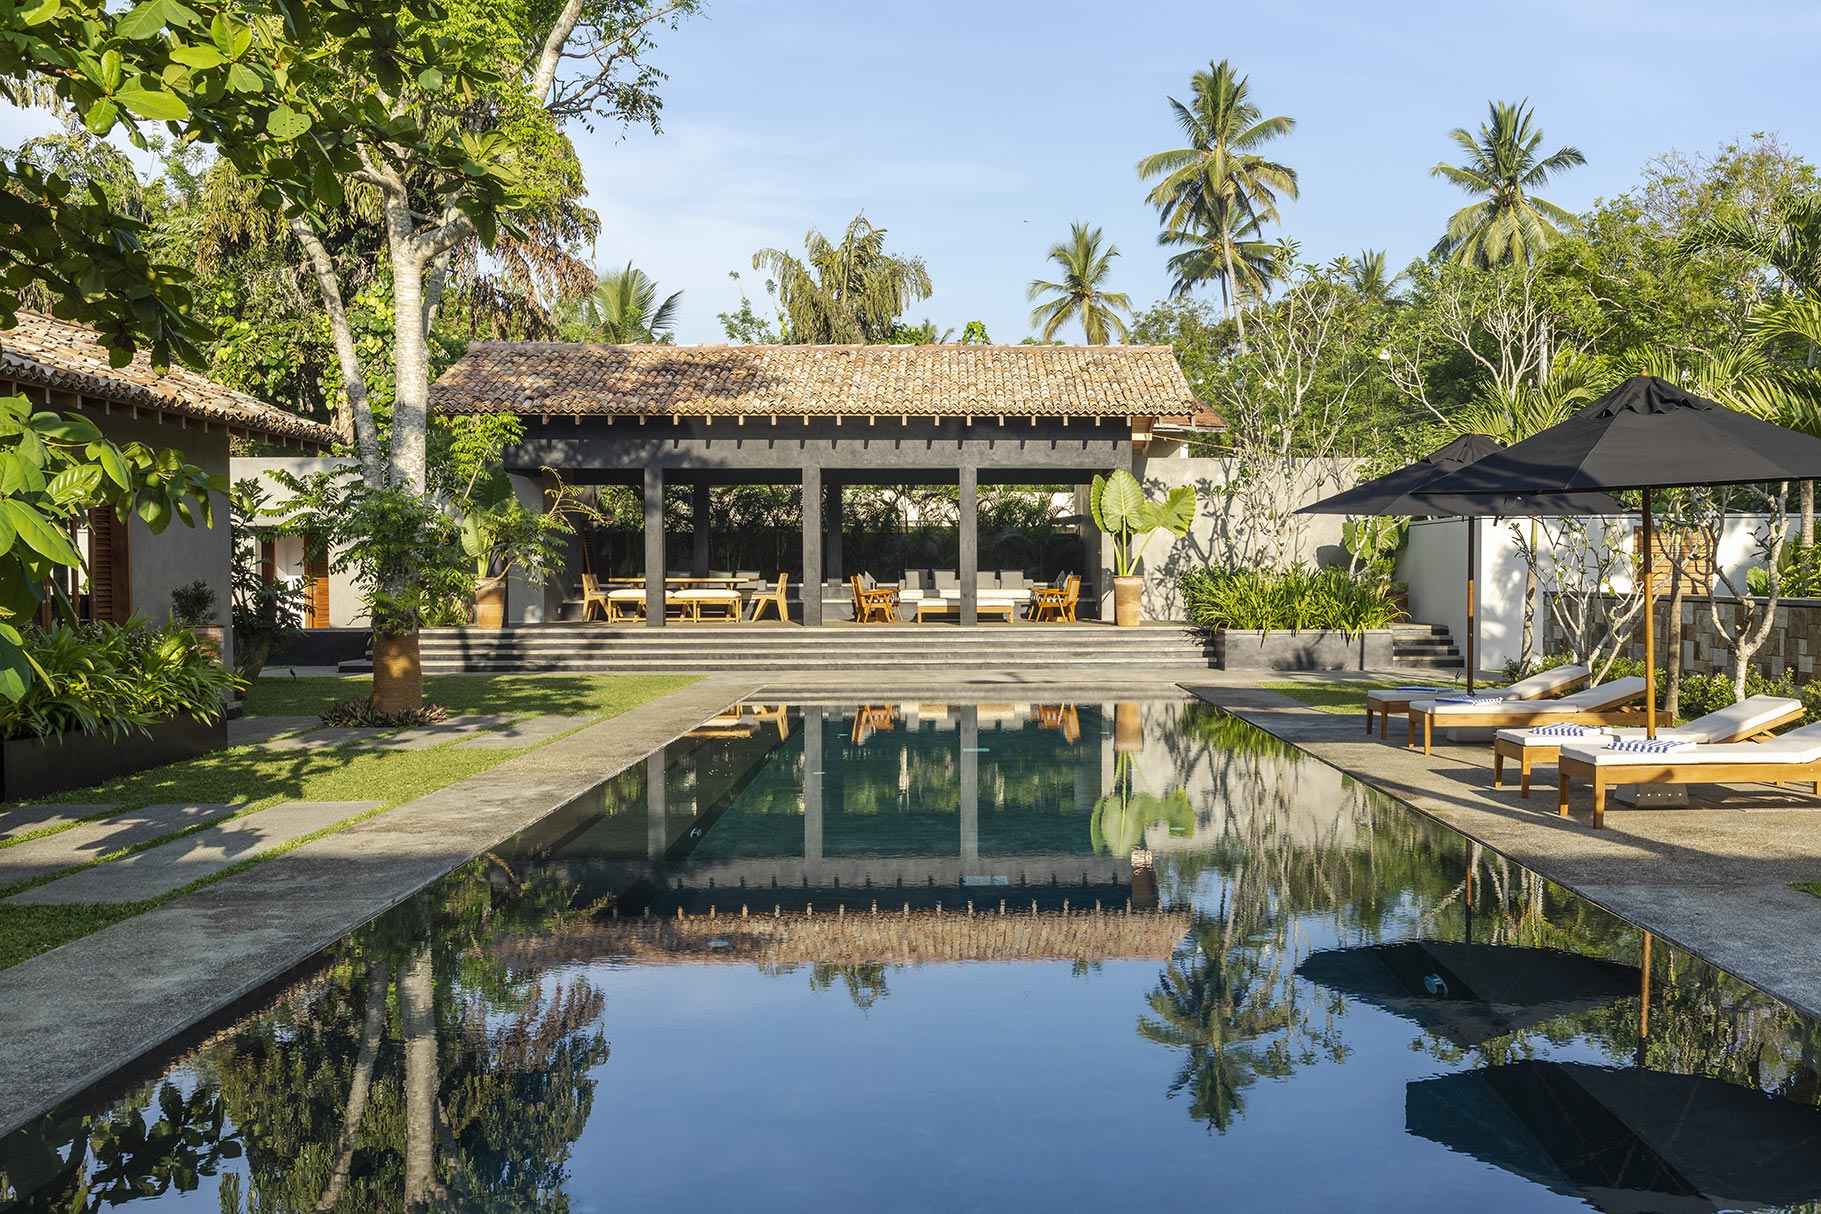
point(1406, 493)
point(1469, 994)
point(1626, 1139)
point(1644, 434)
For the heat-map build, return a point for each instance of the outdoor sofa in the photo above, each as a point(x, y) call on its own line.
point(1791, 758)
point(1552, 682)
point(1751, 718)
point(1608, 704)
point(938, 592)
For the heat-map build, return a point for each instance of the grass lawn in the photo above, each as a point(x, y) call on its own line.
point(261, 778)
point(1342, 695)
point(520, 693)
point(1807, 887)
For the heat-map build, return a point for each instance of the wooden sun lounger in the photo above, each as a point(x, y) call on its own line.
point(1531, 751)
point(1792, 758)
point(1609, 704)
point(1393, 701)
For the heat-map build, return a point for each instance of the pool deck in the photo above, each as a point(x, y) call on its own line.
point(1712, 879)
point(72, 1016)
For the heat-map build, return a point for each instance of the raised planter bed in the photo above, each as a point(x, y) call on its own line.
point(38, 767)
point(1235, 649)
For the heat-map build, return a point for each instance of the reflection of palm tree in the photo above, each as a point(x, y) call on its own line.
point(865, 982)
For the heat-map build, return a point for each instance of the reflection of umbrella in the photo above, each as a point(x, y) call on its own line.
point(1404, 493)
point(1627, 1139)
point(1643, 434)
point(1471, 993)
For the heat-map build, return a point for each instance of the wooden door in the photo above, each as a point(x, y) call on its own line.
point(316, 569)
point(110, 568)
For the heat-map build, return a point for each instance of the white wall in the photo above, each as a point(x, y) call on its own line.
point(1434, 565)
point(346, 609)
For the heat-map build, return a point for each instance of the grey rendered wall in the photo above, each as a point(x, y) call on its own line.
point(160, 563)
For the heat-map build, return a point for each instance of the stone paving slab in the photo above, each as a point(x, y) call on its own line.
point(28, 818)
point(91, 840)
point(169, 866)
point(76, 1014)
point(248, 731)
point(323, 739)
point(527, 732)
point(1711, 879)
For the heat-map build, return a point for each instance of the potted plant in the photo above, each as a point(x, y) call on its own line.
point(1122, 511)
point(501, 534)
point(193, 606)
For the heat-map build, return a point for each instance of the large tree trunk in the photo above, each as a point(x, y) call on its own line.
point(354, 419)
point(417, 1011)
point(1527, 645)
point(1239, 307)
point(410, 351)
point(1808, 520)
point(398, 673)
point(373, 1026)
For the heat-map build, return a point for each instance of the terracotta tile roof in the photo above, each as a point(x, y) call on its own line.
point(1056, 381)
point(50, 353)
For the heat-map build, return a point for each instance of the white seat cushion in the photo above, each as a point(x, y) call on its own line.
point(626, 595)
point(706, 595)
point(1725, 752)
point(1530, 737)
point(1590, 699)
point(1751, 715)
point(1546, 681)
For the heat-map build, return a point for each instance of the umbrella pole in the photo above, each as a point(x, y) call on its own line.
point(1473, 628)
point(1650, 631)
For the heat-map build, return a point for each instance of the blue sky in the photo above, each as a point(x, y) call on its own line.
point(976, 132)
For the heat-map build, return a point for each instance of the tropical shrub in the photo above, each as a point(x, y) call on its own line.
point(112, 679)
point(344, 713)
point(1293, 600)
point(266, 612)
point(194, 604)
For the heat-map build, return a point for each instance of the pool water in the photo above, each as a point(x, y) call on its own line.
point(970, 957)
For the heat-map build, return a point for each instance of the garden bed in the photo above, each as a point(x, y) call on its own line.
point(40, 767)
point(1312, 649)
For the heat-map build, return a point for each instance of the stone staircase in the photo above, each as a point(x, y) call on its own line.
point(1429, 646)
point(593, 648)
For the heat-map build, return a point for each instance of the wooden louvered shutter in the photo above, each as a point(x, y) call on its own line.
point(110, 583)
point(316, 568)
point(268, 561)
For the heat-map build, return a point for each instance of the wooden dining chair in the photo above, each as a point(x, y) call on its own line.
point(593, 596)
point(1057, 602)
point(873, 602)
point(774, 598)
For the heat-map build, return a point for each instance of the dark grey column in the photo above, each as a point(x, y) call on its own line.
point(969, 572)
point(812, 785)
point(970, 786)
point(657, 834)
point(832, 517)
point(812, 547)
point(654, 547)
point(698, 564)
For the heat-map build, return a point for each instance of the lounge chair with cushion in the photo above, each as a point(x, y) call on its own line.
point(1750, 719)
point(1387, 701)
point(1794, 757)
point(1608, 704)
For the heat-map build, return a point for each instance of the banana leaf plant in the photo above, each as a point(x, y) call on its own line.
point(1123, 813)
point(1121, 510)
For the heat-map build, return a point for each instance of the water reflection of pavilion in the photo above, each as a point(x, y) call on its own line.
point(926, 803)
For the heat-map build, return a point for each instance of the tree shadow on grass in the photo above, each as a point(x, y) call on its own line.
point(531, 694)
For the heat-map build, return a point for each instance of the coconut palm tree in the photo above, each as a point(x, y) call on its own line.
point(623, 309)
point(1220, 174)
point(846, 293)
point(1508, 222)
point(1221, 245)
point(1368, 275)
point(1085, 258)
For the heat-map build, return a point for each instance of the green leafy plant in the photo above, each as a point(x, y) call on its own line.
point(345, 713)
point(1122, 511)
point(265, 612)
point(113, 679)
point(194, 604)
point(1266, 600)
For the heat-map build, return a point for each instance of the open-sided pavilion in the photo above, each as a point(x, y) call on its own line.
point(824, 417)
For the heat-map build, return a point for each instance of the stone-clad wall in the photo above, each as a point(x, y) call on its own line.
point(1794, 642)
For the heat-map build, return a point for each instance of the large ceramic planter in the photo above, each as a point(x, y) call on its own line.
point(1128, 729)
point(38, 767)
point(1128, 601)
point(211, 637)
point(490, 602)
point(398, 674)
point(1237, 649)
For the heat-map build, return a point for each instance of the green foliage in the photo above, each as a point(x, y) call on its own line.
point(1509, 223)
point(193, 604)
point(1295, 599)
point(360, 712)
point(1086, 261)
point(1800, 565)
point(113, 679)
point(266, 614)
point(622, 309)
point(843, 294)
point(1376, 540)
point(1122, 512)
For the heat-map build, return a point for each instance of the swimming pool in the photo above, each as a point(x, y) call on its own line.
point(940, 956)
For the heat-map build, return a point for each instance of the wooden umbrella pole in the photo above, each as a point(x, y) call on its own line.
point(1473, 627)
point(1650, 630)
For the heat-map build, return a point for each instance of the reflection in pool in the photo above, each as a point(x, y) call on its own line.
point(945, 956)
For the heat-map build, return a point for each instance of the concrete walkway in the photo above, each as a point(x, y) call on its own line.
point(159, 870)
point(92, 840)
point(1711, 879)
point(78, 1013)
